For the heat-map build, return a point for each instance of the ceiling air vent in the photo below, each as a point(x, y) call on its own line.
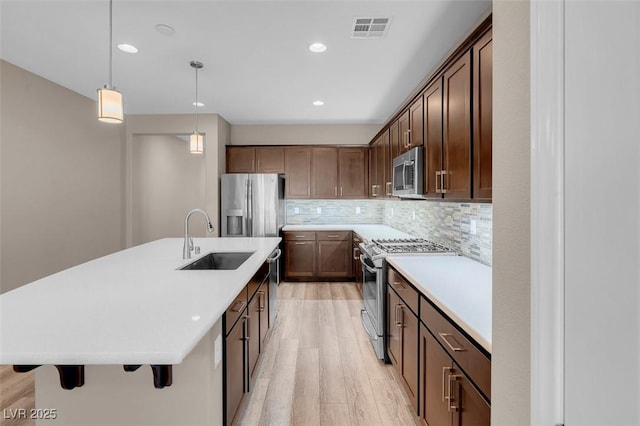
point(370, 27)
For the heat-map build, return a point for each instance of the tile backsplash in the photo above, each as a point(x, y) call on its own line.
point(326, 212)
point(445, 223)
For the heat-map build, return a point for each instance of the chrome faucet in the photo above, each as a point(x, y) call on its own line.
point(188, 242)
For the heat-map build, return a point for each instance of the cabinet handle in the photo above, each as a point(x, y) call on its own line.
point(258, 169)
point(399, 322)
point(399, 286)
point(388, 188)
point(408, 138)
point(438, 178)
point(356, 253)
point(299, 243)
point(260, 301)
point(446, 337)
point(341, 191)
point(333, 236)
point(253, 164)
point(248, 327)
point(335, 190)
point(300, 236)
point(444, 373)
point(242, 305)
point(451, 398)
point(442, 183)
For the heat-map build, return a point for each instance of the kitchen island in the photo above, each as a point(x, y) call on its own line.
point(133, 307)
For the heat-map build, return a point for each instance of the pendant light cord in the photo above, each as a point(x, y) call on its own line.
point(110, 44)
point(196, 99)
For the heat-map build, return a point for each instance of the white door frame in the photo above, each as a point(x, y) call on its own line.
point(547, 212)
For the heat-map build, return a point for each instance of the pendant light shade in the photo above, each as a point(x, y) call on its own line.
point(110, 105)
point(110, 109)
point(196, 141)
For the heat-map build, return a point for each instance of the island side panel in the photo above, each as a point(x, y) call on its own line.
point(111, 396)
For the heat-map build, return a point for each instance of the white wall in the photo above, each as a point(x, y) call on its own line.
point(510, 387)
point(209, 124)
point(61, 179)
point(168, 182)
point(304, 134)
point(602, 229)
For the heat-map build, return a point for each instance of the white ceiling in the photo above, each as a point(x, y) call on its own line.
point(257, 66)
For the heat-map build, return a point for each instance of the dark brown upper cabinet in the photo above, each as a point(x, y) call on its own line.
point(270, 159)
point(456, 175)
point(324, 172)
point(403, 131)
point(297, 161)
point(415, 131)
point(433, 139)
point(482, 117)
point(352, 172)
point(241, 159)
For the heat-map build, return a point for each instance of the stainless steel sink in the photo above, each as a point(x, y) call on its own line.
point(219, 261)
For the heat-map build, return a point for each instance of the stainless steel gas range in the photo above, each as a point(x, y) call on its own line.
point(374, 273)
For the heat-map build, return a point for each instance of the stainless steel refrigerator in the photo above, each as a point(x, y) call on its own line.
point(252, 205)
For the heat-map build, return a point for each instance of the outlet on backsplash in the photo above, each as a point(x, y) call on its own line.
point(357, 210)
point(296, 210)
point(319, 210)
point(472, 227)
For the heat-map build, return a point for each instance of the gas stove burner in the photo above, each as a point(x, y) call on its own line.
point(410, 245)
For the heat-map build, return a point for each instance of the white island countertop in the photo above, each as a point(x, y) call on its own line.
point(130, 307)
point(366, 231)
point(459, 286)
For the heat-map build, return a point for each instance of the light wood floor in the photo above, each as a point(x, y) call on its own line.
point(319, 367)
point(16, 391)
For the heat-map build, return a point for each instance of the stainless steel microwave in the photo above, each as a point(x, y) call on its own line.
point(408, 174)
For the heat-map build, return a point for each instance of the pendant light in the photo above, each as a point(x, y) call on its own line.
point(110, 108)
point(196, 141)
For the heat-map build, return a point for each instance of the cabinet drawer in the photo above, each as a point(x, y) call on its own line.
point(300, 236)
point(407, 293)
point(257, 280)
point(236, 309)
point(464, 353)
point(333, 235)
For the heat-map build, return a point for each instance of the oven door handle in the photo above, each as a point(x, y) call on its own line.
point(373, 336)
point(367, 267)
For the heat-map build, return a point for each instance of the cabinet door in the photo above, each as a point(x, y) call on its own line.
point(352, 172)
point(384, 166)
point(436, 366)
point(457, 128)
point(253, 336)
point(470, 408)
point(415, 123)
point(395, 140)
point(373, 168)
point(403, 123)
point(241, 159)
point(410, 336)
point(482, 117)
point(432, 138)
point(300, 259)
point(334, 259)
point(234, 369)
point(324, 169)
point(394, 332)
point(263, 309)
point(270, 159)
point(297, 166)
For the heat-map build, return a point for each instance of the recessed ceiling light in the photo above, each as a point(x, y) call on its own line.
point(318, 47)
point(198, 104)
point(318, 103)
point(165, 29)
point(128, 48)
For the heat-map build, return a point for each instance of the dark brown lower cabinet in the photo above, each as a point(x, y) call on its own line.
point(334, 259)
point(402, 343)
point(300, 259)
point(247, 327)
point(447, 396)
point(234, 369)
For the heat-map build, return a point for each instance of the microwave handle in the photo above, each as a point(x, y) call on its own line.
point(404, 173)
